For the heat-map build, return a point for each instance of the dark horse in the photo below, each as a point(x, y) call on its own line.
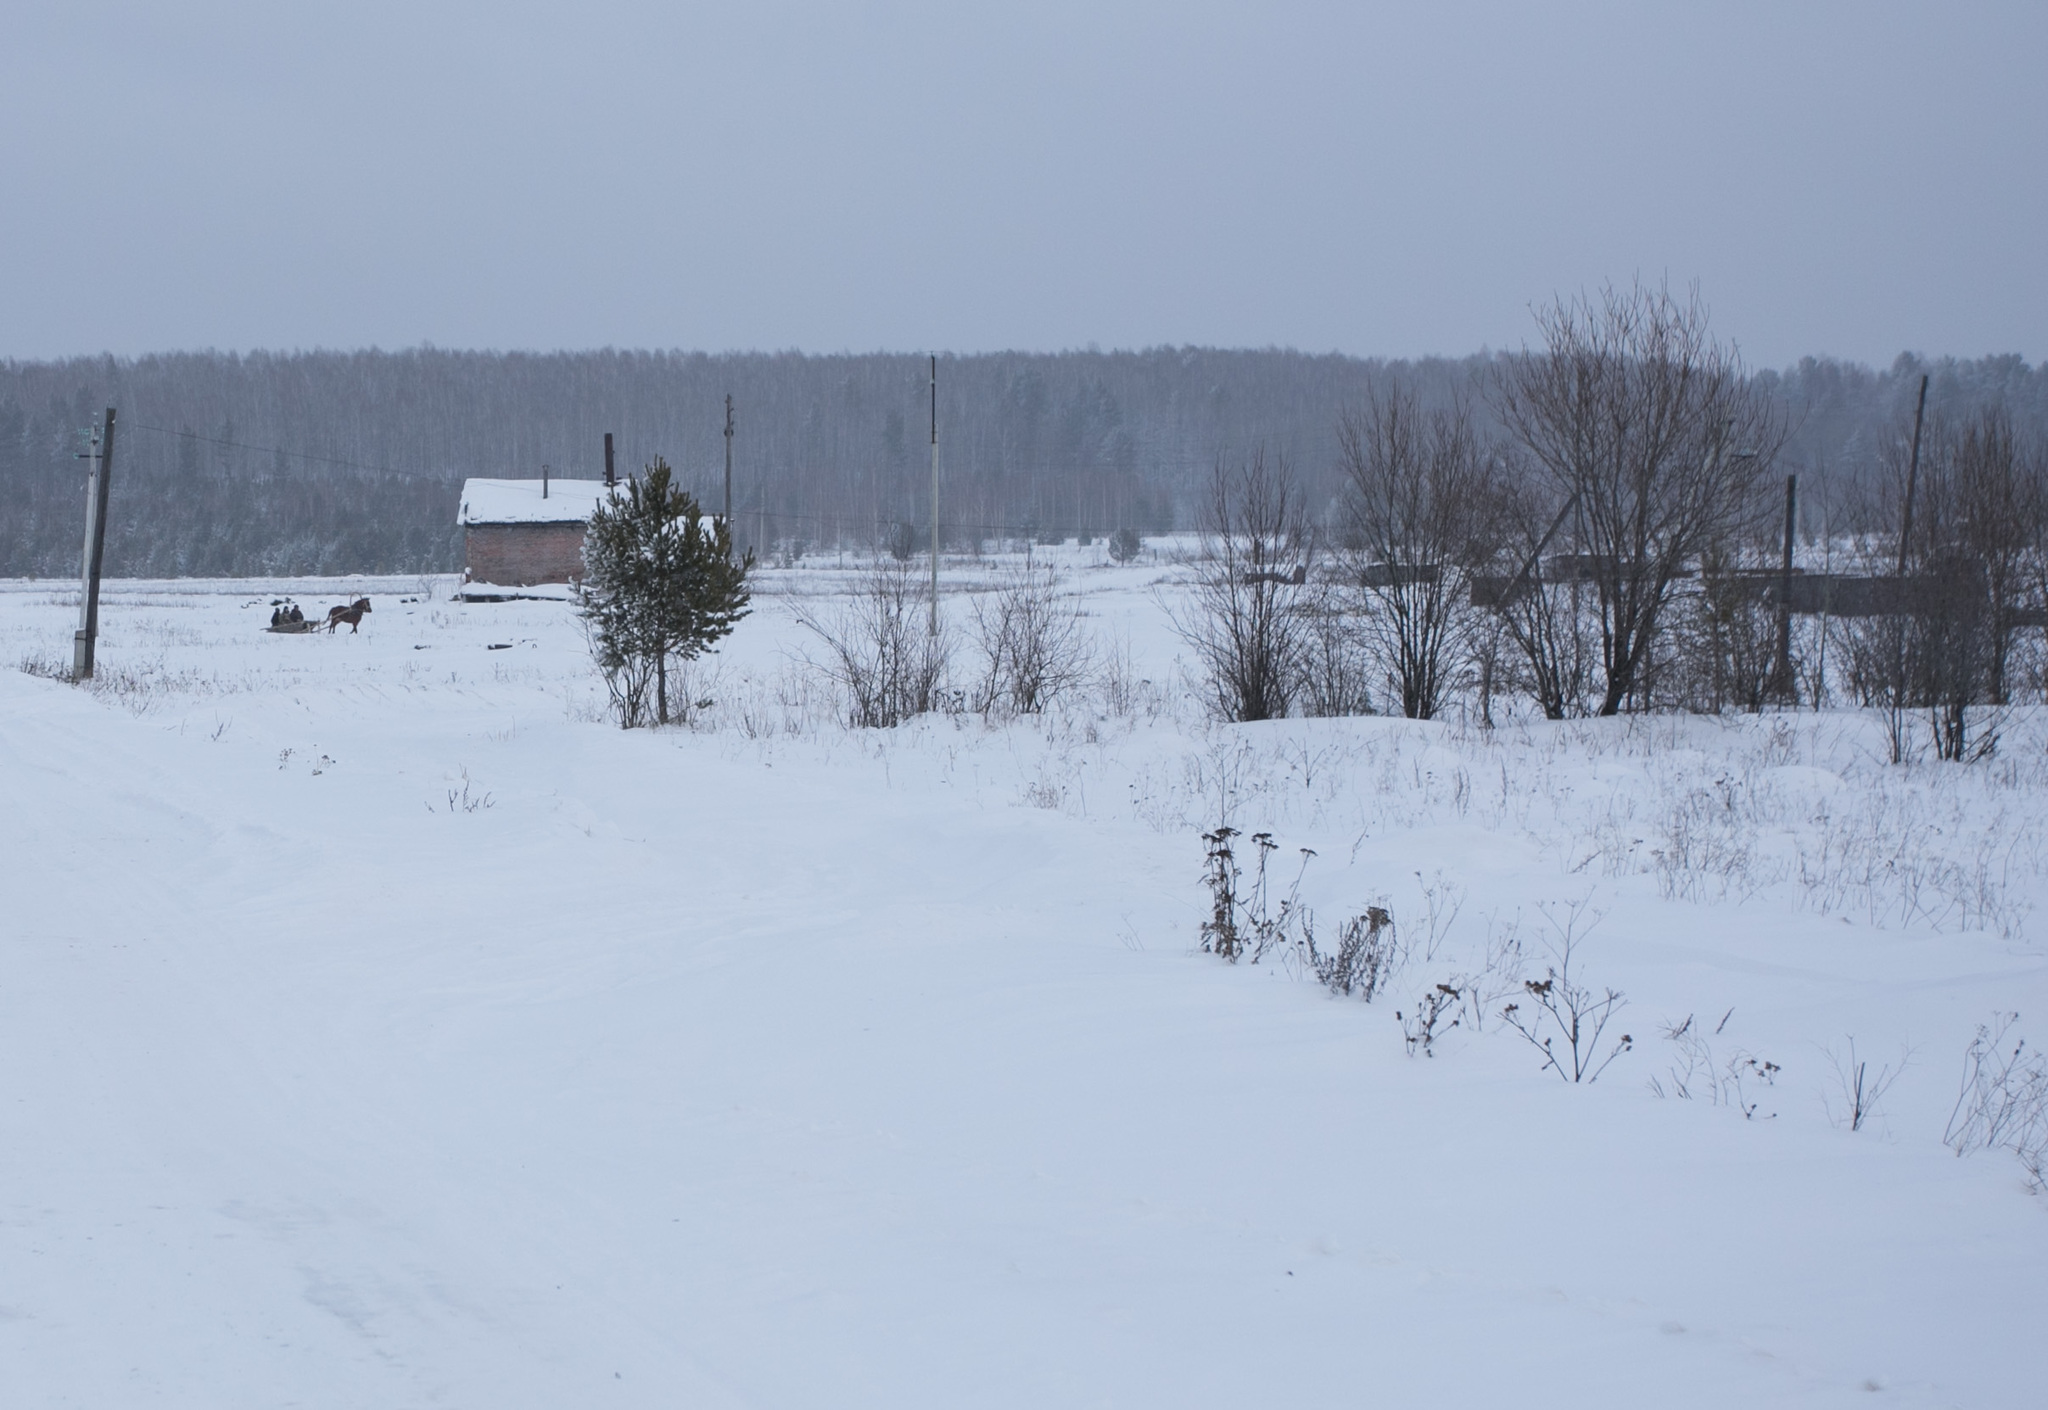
point(351, 614)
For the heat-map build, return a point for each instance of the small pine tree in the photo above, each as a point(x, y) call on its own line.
point(659, 584)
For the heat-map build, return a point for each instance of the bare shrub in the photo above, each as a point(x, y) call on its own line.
point(1860, 1089)
point(1368, 950)
point(1725, 636)
point(1697, 1075)
point(1743, 1070)
point(1963, 532)
point(881, 652)
point(1998, 485)
point(1546, 616)
point(1560, 1001)
point(792, 702)
point(1944, 636)
point(629, 678)
point(1336, 669)
point(1117, 678)
point(2003, 1104)
point(464, 799)
point(1420, 488)
point(1442, 899)
point(1876, 654)
point(1245, 620)
point(1424, 1023)
point(137, 685)
point(1220, 874)
point(1695, 1065)
point(1499, 975)
point(1034, 646)
point(48, 667)
point(1245, 923)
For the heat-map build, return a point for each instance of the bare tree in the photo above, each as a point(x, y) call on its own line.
point(1657, 438)
point(2000, 508)
point(1246, 620)
point(1419, 486)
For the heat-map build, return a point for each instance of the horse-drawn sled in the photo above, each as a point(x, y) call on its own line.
point(287, 618)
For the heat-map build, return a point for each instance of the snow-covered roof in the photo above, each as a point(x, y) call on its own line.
point(520, 502)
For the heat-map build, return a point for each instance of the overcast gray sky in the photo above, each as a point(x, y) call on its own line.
point(1846, 178)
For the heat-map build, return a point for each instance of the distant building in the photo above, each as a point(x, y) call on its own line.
point(517, 533)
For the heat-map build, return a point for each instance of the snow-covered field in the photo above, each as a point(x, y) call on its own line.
point(381, 1027)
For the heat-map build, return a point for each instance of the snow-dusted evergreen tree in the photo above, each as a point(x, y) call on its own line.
point(660, 584)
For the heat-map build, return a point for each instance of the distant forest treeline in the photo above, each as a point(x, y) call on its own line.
point(327, 462)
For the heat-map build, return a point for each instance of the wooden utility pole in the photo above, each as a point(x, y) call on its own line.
point(935, 495)
point(609, 480)
point(1784, 671)
point(728, 461)
point(1912, 476)
point(100, 460)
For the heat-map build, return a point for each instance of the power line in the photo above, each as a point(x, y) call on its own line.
point(293, 454)
point(1011, 530)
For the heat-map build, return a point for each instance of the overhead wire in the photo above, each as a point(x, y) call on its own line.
point(290, 454)
point(839, 522)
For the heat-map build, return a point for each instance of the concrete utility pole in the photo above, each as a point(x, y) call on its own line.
point(100, 462)
point(728, 461)
point(543, 482)
point(1912, 476)
point(935, 495)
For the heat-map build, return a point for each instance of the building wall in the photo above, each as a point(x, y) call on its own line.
point(520, 555)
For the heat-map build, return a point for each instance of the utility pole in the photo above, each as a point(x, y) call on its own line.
point(1784, 672)
point(100, 462)
point(609, 480)
point(543, 482)
point(1912, 476)
point(728, 461)
point(935, 495)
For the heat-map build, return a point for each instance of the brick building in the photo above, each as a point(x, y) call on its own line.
point(517, 533)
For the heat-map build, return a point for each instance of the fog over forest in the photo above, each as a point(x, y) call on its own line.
point(336, 462)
